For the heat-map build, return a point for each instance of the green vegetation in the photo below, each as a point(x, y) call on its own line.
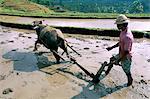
point(28, 8)
point(99, 6)
point(70, 14)
point(21, 6)
point(97, 15)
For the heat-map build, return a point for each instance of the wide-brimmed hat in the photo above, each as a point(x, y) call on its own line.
point(121, 19)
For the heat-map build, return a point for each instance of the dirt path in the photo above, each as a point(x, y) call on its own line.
point(25, 74)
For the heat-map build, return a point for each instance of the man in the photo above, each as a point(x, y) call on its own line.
point(125, 47)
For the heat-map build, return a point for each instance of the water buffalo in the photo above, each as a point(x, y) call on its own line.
point(50, 37)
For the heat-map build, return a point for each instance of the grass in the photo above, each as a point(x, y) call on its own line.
point(98, 15)
point(76, 15)
point(21, 6)
point(26, 8)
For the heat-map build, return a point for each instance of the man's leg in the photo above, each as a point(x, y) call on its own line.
point(130, 79)
point(126, 65)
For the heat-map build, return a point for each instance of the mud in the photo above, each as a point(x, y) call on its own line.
point(35, 75)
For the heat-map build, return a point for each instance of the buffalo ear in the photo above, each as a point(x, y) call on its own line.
point(33, 23)
point(40, 22)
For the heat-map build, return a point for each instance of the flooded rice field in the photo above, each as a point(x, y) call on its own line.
point(25, 74)
point(135, 24)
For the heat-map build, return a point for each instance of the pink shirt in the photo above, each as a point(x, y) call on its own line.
point(125, 42)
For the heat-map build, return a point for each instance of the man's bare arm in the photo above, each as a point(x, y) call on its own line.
point(114, 46)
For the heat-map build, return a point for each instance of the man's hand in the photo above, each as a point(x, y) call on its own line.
point(117, 62)
point(109, 48)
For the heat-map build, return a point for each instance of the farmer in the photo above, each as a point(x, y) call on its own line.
point(125, 47)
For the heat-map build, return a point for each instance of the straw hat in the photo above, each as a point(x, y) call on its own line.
point(121, 19)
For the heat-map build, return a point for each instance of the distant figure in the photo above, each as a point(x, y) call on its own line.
point(50, 37)
point(125, 47)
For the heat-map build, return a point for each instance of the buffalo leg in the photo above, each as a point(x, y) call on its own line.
point(64, 47)
point(56, 56)
point(35, 45)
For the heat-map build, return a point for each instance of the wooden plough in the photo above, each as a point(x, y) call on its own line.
point(95, 78)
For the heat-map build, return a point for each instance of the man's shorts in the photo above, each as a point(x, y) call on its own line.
point(126, 63)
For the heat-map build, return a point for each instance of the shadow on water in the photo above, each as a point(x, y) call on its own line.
point(93, 91)
point(27, 61)
point(97, 91)
point(79, 75)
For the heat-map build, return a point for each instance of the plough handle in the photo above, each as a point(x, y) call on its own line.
point(96, 77)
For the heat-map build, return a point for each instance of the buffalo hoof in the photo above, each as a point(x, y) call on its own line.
point(58, 62)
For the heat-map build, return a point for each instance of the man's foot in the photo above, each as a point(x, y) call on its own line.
point(57, 62)
point(130, 82)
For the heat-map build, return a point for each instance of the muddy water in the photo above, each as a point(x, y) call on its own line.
point(65, 83)
point(135, 24)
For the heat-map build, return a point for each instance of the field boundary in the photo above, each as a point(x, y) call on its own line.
point(76, 30)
